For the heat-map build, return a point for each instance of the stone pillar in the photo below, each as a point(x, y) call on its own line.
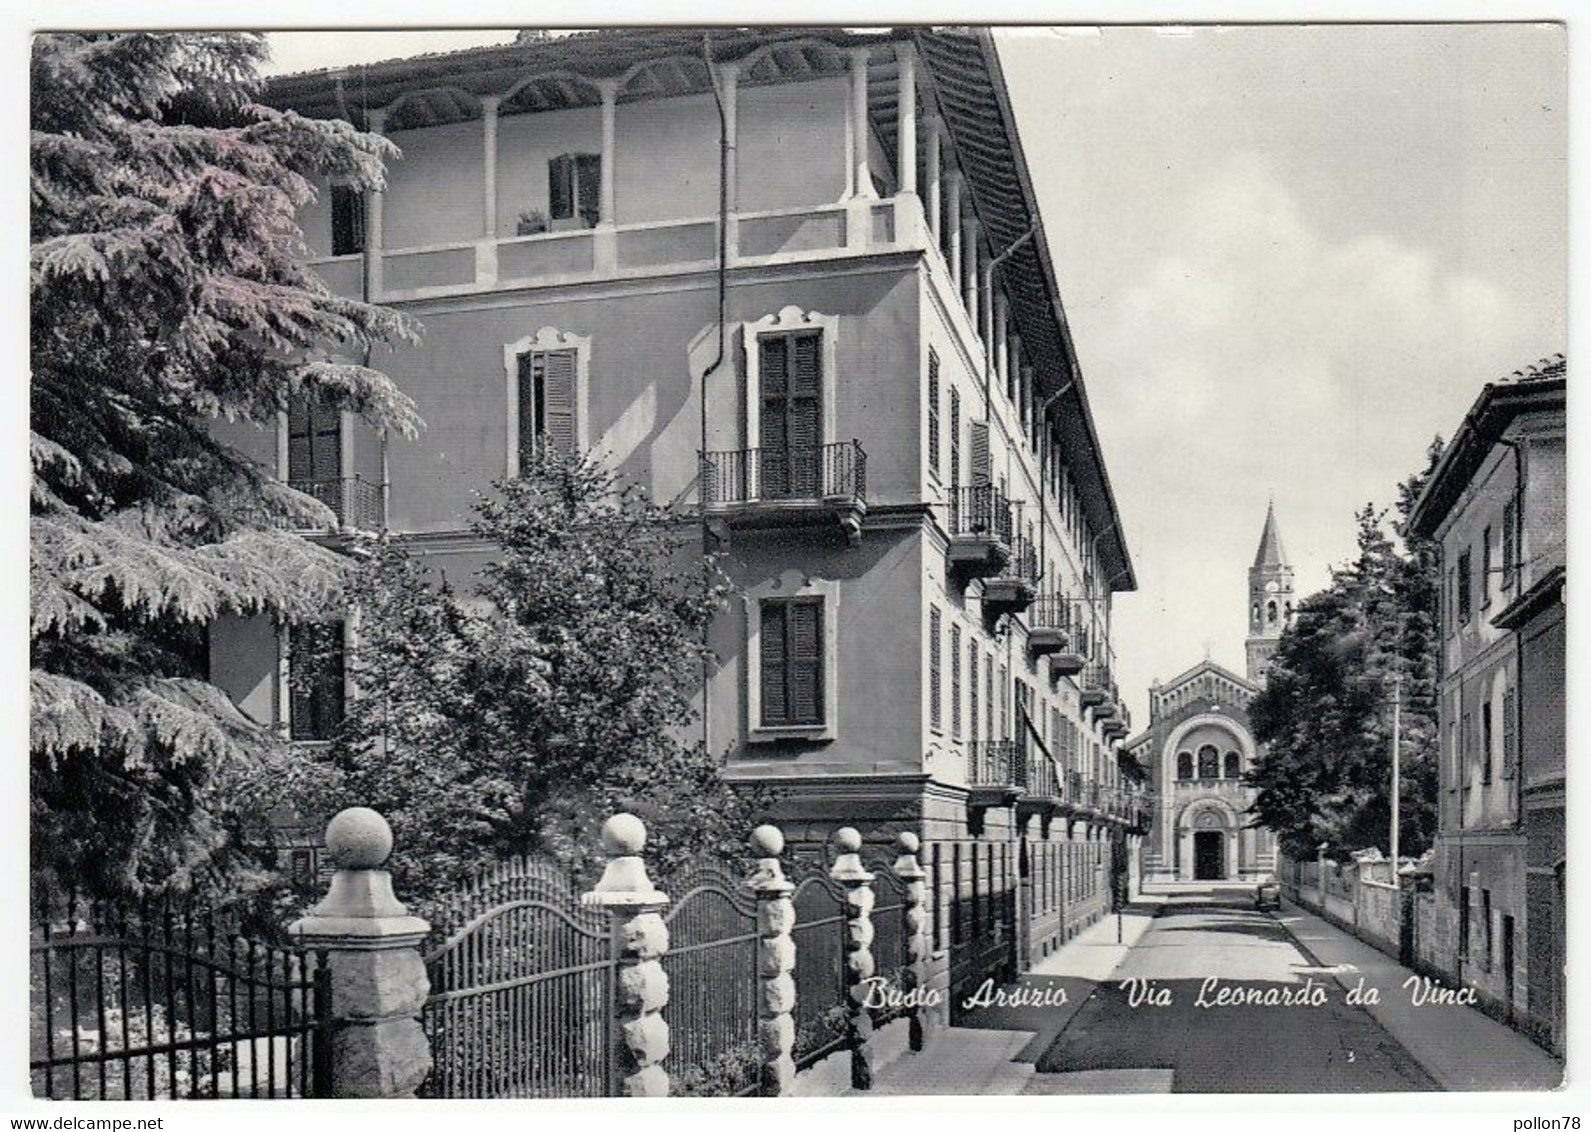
point(862, 174)
point(489, 106)
point(907, 119)
point(640, 1035)
point(776, 989)
point(610, 111)
point(914, 979)
point(378, 984)
point(375, 204)
point(953, 222)
point(848, 873)
point(971, 268)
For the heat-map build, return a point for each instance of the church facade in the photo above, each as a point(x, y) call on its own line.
point(1199, 744)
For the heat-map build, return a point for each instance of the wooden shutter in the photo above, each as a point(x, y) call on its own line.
point(347, 220)
point(774, 381)
point(955, 681)
point(933, 413)
point(775, 706)
point(531, 409)
point(588, 191)
point(804, 420)
point(561, 187)
point(1510, 732)
point(315, 681)
point(935, 711)
point(972, 690)
point(314, 442)
point(1510, 543)
point(806, 662)
point(981, 469)
point(558, 401)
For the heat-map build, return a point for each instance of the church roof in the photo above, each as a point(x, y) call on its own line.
point(1200, 669)
point(1271, 552)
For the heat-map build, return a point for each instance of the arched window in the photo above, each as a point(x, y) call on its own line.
point(1234, 765)
point(1184, 765)
point(1270, 612)
point(1209, 762)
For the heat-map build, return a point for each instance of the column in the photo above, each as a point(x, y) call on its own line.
point(610, 113)
point(953, 219)
point(639, 1040)
point(489, 106)
point(375, 122)
point(906, 117)
point(861, 176)
point(776, 989)
point(848, 873)
point(998, 343)
point(932, 202)
point(970, 270)
point(378, 984)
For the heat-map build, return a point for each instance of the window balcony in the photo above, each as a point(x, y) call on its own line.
point(818, 485)
point(358, 504)
point(996, 772)
point(1045, 786)
point(980, 531)
point(1095, 685)
point(1050, 629)
point(1114, 728)
point(1015, 587)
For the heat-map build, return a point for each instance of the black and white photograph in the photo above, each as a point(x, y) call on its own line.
point(792, 562)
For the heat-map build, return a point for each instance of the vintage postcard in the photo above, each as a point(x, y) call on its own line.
point(788, 562)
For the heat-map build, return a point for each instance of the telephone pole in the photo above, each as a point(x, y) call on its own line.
point(1397, 705)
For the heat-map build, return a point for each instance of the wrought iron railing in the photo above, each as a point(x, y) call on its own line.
point(1024, 563)
point(358, 503)
point(815, 472)
point(1044, 778)
point(981, 510)
point(996, 762)
point(1052, 611)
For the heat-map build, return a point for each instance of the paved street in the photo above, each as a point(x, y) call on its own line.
point(1215, 933)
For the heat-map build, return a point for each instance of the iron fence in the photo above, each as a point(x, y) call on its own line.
point(819, 935)
point(809, 472)
point(164, 1000)
point(712, 976)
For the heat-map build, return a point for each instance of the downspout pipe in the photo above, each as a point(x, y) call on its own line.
point(1519, 682)
point(718, 361)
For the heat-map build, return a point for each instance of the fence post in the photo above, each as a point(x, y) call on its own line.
point(378, 983)
point(848, 873)
point(776, 997)
point(639, 1039)
point(915, 975)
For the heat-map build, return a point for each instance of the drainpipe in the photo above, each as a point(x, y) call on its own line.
point(1519, 681)
point(718, 360)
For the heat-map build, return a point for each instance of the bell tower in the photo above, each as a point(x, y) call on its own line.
point(1270, 597)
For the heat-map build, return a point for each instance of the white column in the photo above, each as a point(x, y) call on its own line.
point(375, 122)
point(610, 109)
point(931, 202)
point(729, 90)
point(1002, 356)
point(953, 219)
point(906, 117)
point(862, 177)
point(489, 106)
point(971, 268)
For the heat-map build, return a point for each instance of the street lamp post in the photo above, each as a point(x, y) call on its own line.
point(1397, 706)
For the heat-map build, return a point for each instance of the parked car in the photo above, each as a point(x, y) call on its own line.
point(1267, 894)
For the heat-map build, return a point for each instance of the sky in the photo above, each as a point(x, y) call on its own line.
point(1289, 255)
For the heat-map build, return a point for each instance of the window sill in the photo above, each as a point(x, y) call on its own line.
point(815, 732)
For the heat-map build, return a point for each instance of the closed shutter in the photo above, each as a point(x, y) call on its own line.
point(981, 466)
point(972, 691)
point(347, 220)
point(1510, 732)
point(935, 716)
point(775, 705)
point(314, 446)
point(588, 180)
point(315, 681)
point(531, 410)
point(791, 421)
point(955, 681)
point(558, 400)
point(806, 662)
point(933, 413)
point(1510, 543)
point(774, 378)
point(561, 187)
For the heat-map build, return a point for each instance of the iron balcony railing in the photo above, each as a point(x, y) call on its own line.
point(815, 472)
point(980, 511)
point(1052, 611)
point(996, 762)
point(1044, 778)
point(1097, 675)
point(1024, 564)
point(358, 503)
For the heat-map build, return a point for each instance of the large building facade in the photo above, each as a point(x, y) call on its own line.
point(889, 435)
point(1495, 506)
point(1199, 744)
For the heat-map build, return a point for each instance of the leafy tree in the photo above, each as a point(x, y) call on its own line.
point(169, 290)
point(515, 719)
point(1324, 714)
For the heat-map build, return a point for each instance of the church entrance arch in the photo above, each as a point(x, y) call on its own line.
point(1207, 841)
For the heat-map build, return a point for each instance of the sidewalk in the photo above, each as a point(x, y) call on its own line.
point(1460, 1047)
point(993, 1052)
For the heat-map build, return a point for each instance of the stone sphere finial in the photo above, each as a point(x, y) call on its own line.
point(623, 835)
point(359, 838)
point(848, 840)
point(907, 841)
point(767, 841)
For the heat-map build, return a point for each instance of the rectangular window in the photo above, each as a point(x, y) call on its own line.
point(1465, 592)
point(1486, 568)
point(314, 448)
point(792, 662)
point(574, 190)
point(1451, 592)
point(935, 718)
point(933, 413)
point(955, 681)
point(1486, 743)
point(1510, 543)
point(546, 404)
point(1510, 733)
point(315, 681)
point(347, 220)
point(791, 420)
